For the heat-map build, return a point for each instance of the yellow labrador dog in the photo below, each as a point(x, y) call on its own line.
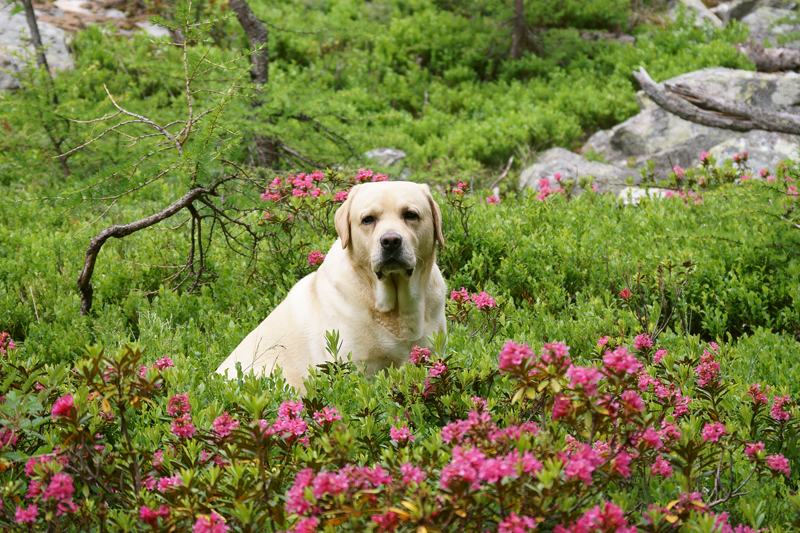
point(379, 286)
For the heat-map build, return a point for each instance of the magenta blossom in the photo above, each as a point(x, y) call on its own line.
point(316, 257)
point(340, 196)
point(779, 463)
point(642, 341)
point(401, 434)
point(483, 300)
point(164, 362)
point(328, 414)
point(224, 424)
point(513, 354)
point(419, 355)
point(603, 341)
point(307, 525)
point(150, 517)
point(625, 294)
point(620, 361)
point(63, 406)
point(751, 449)
point(777, 412)
point(179, 405)
point(183, 426)
point(516, 524)
point(661, 467)
point(411, 473)
point(210, 523)
point(659, 356)
point(492, 199)
point(22, 515)
point(461, 296)
point(713, 431)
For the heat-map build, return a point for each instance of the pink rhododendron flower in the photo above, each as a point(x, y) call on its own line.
point(625, 294)
point(62, 406)
point(704, 157)
point(556, 353)
point(460, 188)
point(659, 356)
point(150, 517)
point(22, 515)
point(483, 300)
point(708, 370)
point(459, 296)
point(340, 196)
point(438, 369)
point(586, 377)
point(210, 523)
point(661, 467)
point(401, 434)
point(329, 483)
point(224, 424)
point(60, 488)
point(562, 406)
point(411, 473)
point(777, 412)
point(751, 449)
point(307, 525)
point(316, 257)
point(179, 405)
point(513, 354)
point(479, 403)
point(516, 524)
point(779, 463)
point(642, 341)
point(328, 414)
point(164, 362)
point(603, 341)
point(463, 466)
point(419, 355)
point(492, 199)
point(620, 361)
point(167, 482)
point(632, 402)
point(182, 426)
point(652, 438)
point(386, 522)
point(713, 431)
point(621, 464)
point(295, 499)
point(679, 172)
point(757, 395)
point(316, 192)
point(363, 175)
point(380, 177)
point(581, 463)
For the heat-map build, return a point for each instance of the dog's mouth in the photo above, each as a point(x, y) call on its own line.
point(393, 266)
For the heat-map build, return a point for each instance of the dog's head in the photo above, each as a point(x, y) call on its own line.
point(390, 226)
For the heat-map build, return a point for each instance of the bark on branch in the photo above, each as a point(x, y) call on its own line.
point(119, 231)
point(770, 59)
point(699, 106)
point(258, 35)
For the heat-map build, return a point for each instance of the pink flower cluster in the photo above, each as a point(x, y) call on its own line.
point(150, 516)
point(679, 172)
point(642, 342)
point(460, 188)
point(328, 414)
point(516, 524)
point(625, 294)
point(740, 157)
point(483, 300)
point(492, 200)
point(599, 519)
point(26, 516)
point(289, 424)
point(473, 467)
point(224, 424)
point(419, 355)
point(210, 523)
point(316, 257)
point(460, 296)
point(545, 190)
point(757, 395)
point(777, 412)
point(368, 175)
point(179, 405)
point(6, 344)
point(620, 361)
point(779, 463)
point(348, 479)
point(659, 356)
point(63, 406)
point(689, 197)
point(401, 434)
point(707, 371)
point(180, 408)
point(301, 185)
point(713, 431)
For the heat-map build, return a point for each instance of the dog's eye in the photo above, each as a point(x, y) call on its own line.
point(410, 215)
point(368, 220)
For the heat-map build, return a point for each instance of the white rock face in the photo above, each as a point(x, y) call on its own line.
point(702, 14)
point(775, 26)
point(15, 42)
point(632, 195)
point(386, 157)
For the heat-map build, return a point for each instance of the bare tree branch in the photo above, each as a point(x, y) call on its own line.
point(697, 105)
point(119, 231)
point(770, 59)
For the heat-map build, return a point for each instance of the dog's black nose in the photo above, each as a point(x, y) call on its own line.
point(391, 241)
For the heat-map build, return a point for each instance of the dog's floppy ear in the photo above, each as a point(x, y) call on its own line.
point(342, 219)
point(437, 217)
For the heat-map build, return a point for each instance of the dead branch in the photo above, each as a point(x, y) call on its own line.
point(770, 59)
point(697, 105)
point(119, 231)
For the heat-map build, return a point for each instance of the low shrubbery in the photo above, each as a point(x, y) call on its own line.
point(622, 414)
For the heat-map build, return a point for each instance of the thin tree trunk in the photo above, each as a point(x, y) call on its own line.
point(258, 35)
point(519, 31)
point(36, 37)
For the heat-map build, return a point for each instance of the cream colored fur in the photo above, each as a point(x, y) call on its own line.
point(379, 310)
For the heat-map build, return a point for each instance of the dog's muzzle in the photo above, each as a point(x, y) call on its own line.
point(393, 257)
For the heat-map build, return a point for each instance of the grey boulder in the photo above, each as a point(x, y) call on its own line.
point(573, 166)
point(15, 46)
